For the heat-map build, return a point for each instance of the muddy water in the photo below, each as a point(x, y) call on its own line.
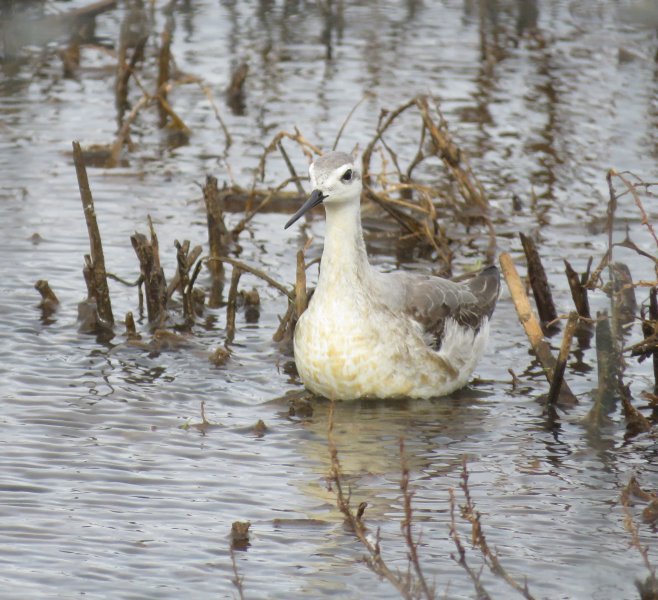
point(105, 491)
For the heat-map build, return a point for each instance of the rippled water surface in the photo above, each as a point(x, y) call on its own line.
point(107, 490)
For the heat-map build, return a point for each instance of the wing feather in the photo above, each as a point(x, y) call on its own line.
point(431, 300)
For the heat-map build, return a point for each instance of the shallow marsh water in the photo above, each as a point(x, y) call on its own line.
point(104, 493)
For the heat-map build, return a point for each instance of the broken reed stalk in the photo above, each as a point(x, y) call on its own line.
point(531, 325)
point(164, 60)
point(624, 304)
point(152, 273)
point(185, 260)
point(125, 70)
point(285, 324)
point(301, 298)
point(94, 269)
point(406, 525)
point(558, 375)
point(235, 96)
point(653, 315)
point(608, 363)
point(49, 301)
point(578, 289)
point(218, 238)
point(231, 306)
point(374, 558)
point(131, 329)
point(538, 281)
point(189, 262)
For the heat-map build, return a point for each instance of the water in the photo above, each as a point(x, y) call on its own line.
point(107, 491)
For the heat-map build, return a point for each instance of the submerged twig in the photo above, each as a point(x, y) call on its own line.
point(374, 558)
point(412, 545)
point(478, 538)
point(481, 592)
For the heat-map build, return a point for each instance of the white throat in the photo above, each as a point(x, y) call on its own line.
point(344, 259)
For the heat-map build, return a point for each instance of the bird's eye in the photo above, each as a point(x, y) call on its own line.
point(347, 176)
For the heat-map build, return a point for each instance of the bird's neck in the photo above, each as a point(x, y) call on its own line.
point(344, 259)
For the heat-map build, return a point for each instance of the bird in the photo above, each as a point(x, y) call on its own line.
point(370, 334)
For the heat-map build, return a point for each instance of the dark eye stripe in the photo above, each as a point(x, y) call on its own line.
point(347, 175)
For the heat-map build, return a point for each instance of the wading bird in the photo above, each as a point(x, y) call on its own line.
point(382, 335)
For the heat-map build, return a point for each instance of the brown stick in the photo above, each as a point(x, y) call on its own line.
point(624, 304)
point(217, 238)
point(124, 71)
point(175, 280)
point(609, 374)
point(48, 297)
point(653, 315)
point(131, 329)
point(540, 288)
point(231, 306)
point(101, 291)
point(578, 289)
point(558, 375)
point(183, 273)
point(300, 285)
point(155, 285)
point(531, 325)
point(164, 60)
point(285, 326)
point(235, 96)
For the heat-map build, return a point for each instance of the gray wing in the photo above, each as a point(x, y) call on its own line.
point(432, 300)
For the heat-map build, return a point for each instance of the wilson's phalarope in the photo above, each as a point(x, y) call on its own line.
point(382, 335)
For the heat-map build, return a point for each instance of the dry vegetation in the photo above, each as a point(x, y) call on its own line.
point(174, 303)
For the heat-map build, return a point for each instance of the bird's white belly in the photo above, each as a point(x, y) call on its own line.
point(346, 358)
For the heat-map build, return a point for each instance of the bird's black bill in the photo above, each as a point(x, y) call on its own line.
point(314, 199)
